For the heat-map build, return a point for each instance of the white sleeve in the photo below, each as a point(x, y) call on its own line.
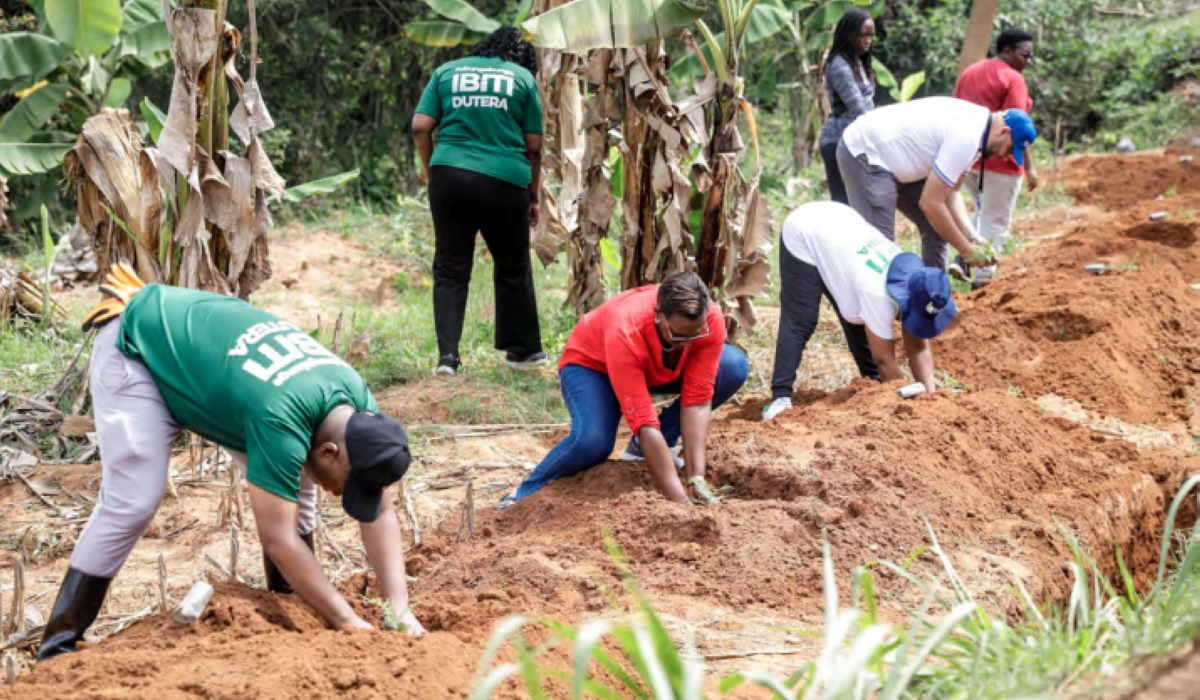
point(956, 157)
point(878, 314)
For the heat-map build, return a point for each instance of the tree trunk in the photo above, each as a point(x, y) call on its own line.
point(979, 32)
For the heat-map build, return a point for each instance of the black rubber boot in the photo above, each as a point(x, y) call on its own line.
point(75, 609)
point(276, 583)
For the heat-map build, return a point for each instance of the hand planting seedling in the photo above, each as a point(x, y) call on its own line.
point(404, 622)
point(704, 495)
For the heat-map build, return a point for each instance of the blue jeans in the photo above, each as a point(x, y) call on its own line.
point(596, 414)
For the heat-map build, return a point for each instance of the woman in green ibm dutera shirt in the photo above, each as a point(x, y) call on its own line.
point(484, 174)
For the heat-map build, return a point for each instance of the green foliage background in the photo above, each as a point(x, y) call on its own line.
point(342, 80)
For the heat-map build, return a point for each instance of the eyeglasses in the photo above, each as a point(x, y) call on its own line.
point(680, 339)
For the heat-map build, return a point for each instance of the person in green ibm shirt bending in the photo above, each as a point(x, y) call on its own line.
point(292, 414)
point(484, 176)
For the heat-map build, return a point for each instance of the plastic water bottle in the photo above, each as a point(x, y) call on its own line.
point(193, 603)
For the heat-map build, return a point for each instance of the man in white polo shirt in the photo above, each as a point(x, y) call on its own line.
point(913, 156)
point(829, 250)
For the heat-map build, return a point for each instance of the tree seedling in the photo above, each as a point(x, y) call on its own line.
point(390, 619)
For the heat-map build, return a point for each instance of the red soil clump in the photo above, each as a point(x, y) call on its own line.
point(251, 644)
point(1116, 182)
point(1125, 343)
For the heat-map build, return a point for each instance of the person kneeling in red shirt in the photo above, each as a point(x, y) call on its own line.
point(657, 339)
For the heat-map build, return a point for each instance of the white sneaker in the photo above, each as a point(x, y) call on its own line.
point(776, 407)
point(633, 453)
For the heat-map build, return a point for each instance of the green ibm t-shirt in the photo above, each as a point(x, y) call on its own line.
point(240, 377)
point(484, 108)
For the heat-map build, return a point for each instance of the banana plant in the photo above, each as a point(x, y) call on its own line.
point(84, 56)
point(734, 237)
point(901, 91)
point(461, 24)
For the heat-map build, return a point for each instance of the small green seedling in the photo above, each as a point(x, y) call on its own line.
point(706, 495)
point(390, 618)
point(1015, 391)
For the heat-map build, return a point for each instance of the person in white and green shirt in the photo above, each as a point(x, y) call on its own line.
point(829, 250)
point(292, 414)
point(484, 174)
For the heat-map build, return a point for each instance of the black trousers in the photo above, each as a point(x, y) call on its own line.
point(799, 311)
point(833, 174)
point(464, 203)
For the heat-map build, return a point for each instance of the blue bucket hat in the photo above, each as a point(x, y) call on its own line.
point(923, 294)
point(1023, 133)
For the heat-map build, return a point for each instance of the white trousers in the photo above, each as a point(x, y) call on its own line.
point(993, 210)
point(135, 431)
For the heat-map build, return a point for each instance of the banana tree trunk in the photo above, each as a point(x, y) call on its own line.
point(979, 32)
point(726, 147)
point(656, 242)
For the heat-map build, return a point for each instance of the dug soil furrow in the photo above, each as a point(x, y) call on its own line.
point(996, 476)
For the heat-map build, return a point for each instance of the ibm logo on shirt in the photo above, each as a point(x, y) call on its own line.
point(290, 352)
point(469, 79)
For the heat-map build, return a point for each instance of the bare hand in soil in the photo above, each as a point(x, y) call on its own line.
point(410, 625)
point(702, 494)
point(982, 254)
point(356, 624)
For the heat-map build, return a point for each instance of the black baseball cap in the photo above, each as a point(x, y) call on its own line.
point(377, 448)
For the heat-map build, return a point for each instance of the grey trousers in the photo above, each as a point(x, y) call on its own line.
point(876, 196)
point(135, 431)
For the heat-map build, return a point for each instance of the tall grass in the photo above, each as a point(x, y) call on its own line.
point(951, 647)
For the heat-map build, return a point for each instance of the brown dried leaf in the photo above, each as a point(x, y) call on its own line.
point(195, 40)
point(265, 176)
point(179, 131)
point(251, 117)
point(229, 203)
point(110, 169)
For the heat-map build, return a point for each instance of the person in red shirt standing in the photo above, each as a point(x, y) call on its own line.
point(657, 339)
point(997, 83)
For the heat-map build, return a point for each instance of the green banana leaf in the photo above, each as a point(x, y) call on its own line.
point(31, 158)
point(827, 15)
point(29, 57)
point(148, 43)
point(323, 186)
point(766, 21)
point(90, 26)
point(522, 12)
point(582, 25)
point(118, 91)
point(441, 34)
point(139, 13)
point(463, 12)
point(31, 113)
point(154, 118)
point(910, 85)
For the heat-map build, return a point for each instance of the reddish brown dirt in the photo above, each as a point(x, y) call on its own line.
point(1120, 181)
point(1126, 343)
point(992, 473)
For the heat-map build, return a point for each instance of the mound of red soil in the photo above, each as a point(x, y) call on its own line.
point(991, 473)
point(1119, 181)
point(251, 644)
point(1126, 343)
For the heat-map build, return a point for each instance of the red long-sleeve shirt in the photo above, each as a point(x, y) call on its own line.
point(620, 340)
point(996, 85)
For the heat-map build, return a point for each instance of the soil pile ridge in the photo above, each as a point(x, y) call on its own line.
point(1126, 343)
point(1119, 181)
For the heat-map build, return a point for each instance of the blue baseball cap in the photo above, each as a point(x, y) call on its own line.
point(923, 294)
point(1023, 133)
